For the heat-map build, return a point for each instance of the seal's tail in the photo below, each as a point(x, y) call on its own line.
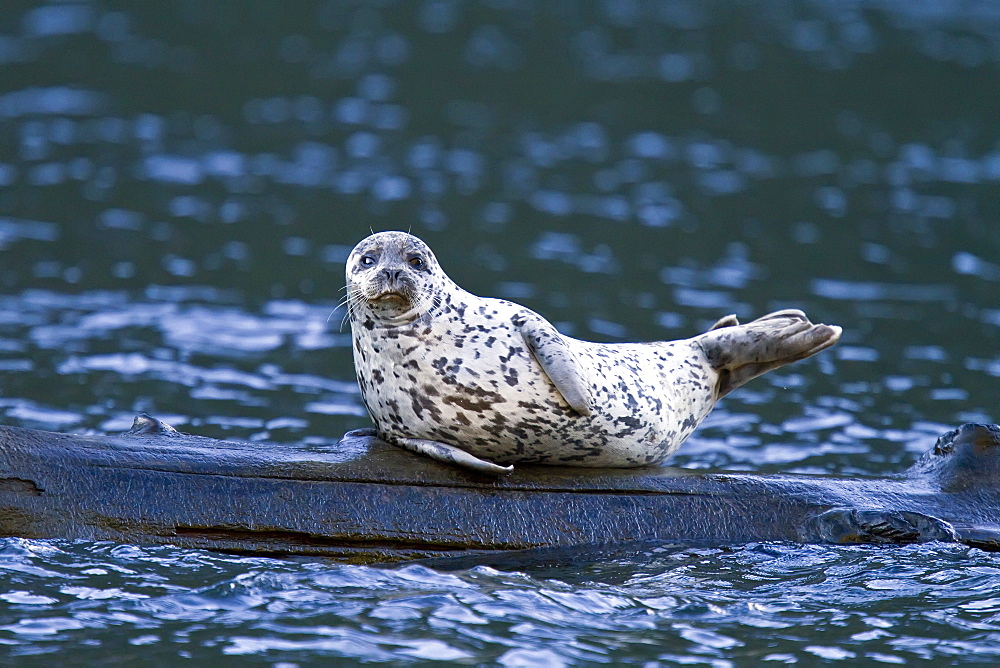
point(743, 352)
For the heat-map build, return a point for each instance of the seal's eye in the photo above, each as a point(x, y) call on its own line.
point(367, 260)
point(417, 262)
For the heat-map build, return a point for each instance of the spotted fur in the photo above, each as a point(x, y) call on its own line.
point(452, 375)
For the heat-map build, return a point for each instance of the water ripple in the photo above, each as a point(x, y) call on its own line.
point(686, 601)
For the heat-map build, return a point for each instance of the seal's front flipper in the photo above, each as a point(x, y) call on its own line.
point(449, 454)
point(849, 526)
point(557, 361)
point(742, 352)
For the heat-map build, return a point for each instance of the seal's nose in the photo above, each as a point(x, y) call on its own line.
point(392, 275)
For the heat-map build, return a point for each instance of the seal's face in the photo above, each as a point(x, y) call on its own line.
point(393, 278)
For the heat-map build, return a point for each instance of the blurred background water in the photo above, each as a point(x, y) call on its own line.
point(180, 184)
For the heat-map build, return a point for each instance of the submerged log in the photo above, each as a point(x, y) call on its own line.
point(367, 501)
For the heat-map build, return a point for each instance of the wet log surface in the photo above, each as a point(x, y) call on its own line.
point(366, 501)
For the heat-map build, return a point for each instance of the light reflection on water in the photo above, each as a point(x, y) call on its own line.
point(212, 353)
point(778, 602)
point(180, 187)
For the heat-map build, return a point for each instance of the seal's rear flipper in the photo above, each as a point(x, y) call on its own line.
point(449, 454)
point(850, 526)
point(743, 352)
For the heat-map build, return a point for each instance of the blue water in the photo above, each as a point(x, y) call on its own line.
point(180, 184)
point(759, 602)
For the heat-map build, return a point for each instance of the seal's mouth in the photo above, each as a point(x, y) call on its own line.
point(390, 297)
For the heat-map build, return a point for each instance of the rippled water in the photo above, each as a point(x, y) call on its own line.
point(783, 603)
point(180, 184)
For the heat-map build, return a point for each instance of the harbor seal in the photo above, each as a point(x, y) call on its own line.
point(485, 383)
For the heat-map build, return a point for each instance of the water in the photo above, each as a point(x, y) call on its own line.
point(180, 185)
point(782, 603)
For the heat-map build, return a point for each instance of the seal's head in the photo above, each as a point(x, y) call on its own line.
point(393, 278)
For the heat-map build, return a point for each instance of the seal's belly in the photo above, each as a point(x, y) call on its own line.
point(471, 382)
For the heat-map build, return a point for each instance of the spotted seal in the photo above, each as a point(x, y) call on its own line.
point(473, 380)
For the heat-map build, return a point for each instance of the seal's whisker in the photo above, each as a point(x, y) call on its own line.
point(332, 311)
point(435, 303)
point(354, 299)
point(343, 302)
